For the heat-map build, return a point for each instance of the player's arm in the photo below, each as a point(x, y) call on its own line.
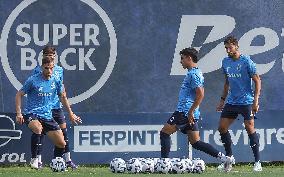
point(18, 102)
point(64, 100)
point(257, 82)
point(224, 95)
point(199, 91)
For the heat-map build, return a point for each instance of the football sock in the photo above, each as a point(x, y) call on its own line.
point(165, 144)
point(254, 144)
point(40, 147)
point(67, 156)
point(227, 141)
point(205, 147)
point(58, 152)
point(35, 143)
point(64, 131)
point(39, 158)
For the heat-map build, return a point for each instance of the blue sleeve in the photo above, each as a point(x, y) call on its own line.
point(36, 70)
point(27, 85)
point(61, 76)
point(223, 67)
point(197, 80)
point(59, 87)
point(251, 67)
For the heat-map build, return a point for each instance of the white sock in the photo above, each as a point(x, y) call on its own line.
point(39, 158)
point(67, 157)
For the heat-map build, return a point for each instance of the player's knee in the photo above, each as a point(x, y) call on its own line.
point(164, 135)
point(222, 128)
point(249, 128)
point(62, 126)
point(61, 144)
point(35, 126)
point(37, 129)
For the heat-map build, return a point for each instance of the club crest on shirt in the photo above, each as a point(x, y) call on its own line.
point(239, 67)
point(52, 85)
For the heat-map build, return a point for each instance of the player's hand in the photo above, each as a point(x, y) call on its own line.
point(255, 108)
point(220, 106)
point(191, 118)
point(75, 119)
point(20, 119)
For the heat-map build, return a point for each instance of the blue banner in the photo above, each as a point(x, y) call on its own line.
point(122, 64)
point(104, 136)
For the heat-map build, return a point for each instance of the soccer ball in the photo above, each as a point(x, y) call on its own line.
point(199, 166)
point(133, 165)
point(164, 165)
point(58, 164)
point(147, 165)
point(117, 165)
point(178, 166)
point(189, 166)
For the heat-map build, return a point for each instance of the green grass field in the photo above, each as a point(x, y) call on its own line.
point(238, 170)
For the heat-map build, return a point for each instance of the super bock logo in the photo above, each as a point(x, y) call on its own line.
point(81, 32)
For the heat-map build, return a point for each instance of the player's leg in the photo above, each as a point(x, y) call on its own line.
point(59, 117)
point(194, 140)
point(54, 133)
point(254, 139)
point(165, 135)
point(223, 128)
point(36, 129)
point(56, 136)
point(228, 116)
point(39, 152)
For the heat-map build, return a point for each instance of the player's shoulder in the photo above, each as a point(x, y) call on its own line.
point(36, 70)
point(33, 78)
point(226, 60)
point(195, 72)
point(246, 59)
point(58, 68)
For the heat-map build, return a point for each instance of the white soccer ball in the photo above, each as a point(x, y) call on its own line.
point(178, 166)
point(134, 165)
point(58, 164)
point(164, 165)
point(117, 165)
point(147, 165)
point(199, 166)
point(189, 165)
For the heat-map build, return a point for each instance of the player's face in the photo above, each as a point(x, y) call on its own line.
point(232, 50)
point(184, 61)
point(47, 70)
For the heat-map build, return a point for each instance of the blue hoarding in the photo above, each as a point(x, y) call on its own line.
point(121, 56)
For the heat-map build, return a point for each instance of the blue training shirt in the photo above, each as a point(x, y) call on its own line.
point(40, 95)
point(239, 73)
point(58, 73)
point(193, 79)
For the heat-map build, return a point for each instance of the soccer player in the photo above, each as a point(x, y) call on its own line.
point(187, 113)
point(41, 90)
point(239, 72)
point(57, 112)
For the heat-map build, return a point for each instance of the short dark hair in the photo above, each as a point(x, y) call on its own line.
point(190, 51)
point(48, 50)
point(47, 60)
point(231, 40)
